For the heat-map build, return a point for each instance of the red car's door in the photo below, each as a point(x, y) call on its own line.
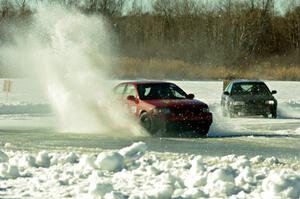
point(132, 104)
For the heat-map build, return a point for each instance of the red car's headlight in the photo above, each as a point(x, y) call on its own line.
point(205, 110)
point(161, 111)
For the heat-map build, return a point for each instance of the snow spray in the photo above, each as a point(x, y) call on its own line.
point(68, 54)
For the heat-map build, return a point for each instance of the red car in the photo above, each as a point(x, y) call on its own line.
point(163, 106)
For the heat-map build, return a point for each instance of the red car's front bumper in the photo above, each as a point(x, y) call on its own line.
point(180, 123)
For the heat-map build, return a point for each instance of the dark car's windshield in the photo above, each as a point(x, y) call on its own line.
point(250, 88)
point(151, 91)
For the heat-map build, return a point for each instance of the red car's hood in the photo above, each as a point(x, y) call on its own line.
point(176, 103)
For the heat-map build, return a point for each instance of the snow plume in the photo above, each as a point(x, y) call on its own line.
point(68, 53)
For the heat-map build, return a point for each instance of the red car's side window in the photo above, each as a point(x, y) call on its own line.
point(119, 90)
point(130, 90)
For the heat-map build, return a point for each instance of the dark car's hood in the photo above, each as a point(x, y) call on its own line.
point(252, 97)
point(176, 103)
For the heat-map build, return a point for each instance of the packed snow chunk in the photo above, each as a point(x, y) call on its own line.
point(241, 162)
point(70, 158)
point(100, 189)
point(87, 162)
point(223, 174)
point(133, 152)
point(245, 177)
point(27, 161)
point(281, 185)
point(7, 145)
point(3, 157)
point(221, 183)
point(195, 181)
point(196, 175)
point(110, 161)
point(9, 171)
point(114, 195)
point(161, 191)
point(193, 193)
point(257, 159)
point(272, 160)
point(197, 166)
point(43, 159)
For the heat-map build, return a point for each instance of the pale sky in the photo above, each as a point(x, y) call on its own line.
point(281, 6)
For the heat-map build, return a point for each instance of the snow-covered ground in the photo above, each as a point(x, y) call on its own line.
point(240, 160)
point(135, 173)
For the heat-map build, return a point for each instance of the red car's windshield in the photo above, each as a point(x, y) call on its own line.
point(160, 91)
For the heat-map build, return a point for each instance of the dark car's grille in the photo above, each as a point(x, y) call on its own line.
point(255, 102)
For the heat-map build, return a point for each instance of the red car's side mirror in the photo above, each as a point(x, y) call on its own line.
point(131, 98)
point(190, 96)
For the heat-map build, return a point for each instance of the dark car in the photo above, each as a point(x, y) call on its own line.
point(163, 106)
point(248, 97)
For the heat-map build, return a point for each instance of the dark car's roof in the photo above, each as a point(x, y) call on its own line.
point(246, 81)
point(139, 82)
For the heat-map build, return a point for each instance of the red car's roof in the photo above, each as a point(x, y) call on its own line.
point(138, 82)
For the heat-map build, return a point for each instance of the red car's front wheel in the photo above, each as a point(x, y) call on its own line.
point(146, 122)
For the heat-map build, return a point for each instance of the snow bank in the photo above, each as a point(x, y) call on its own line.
point(134, 173)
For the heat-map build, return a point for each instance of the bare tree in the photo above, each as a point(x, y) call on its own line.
point(106, 7)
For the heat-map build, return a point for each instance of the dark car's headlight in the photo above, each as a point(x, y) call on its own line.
point(161, 111)
point(270, 102)
point(238, 103)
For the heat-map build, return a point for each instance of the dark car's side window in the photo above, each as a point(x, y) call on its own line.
point(228, 88)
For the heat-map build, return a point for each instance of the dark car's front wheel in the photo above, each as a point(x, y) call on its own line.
point(274, 115)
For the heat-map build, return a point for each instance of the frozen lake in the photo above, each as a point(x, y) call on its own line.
point(25, 123)
point(241, 157)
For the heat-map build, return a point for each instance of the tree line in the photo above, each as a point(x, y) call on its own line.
point(227, 33)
